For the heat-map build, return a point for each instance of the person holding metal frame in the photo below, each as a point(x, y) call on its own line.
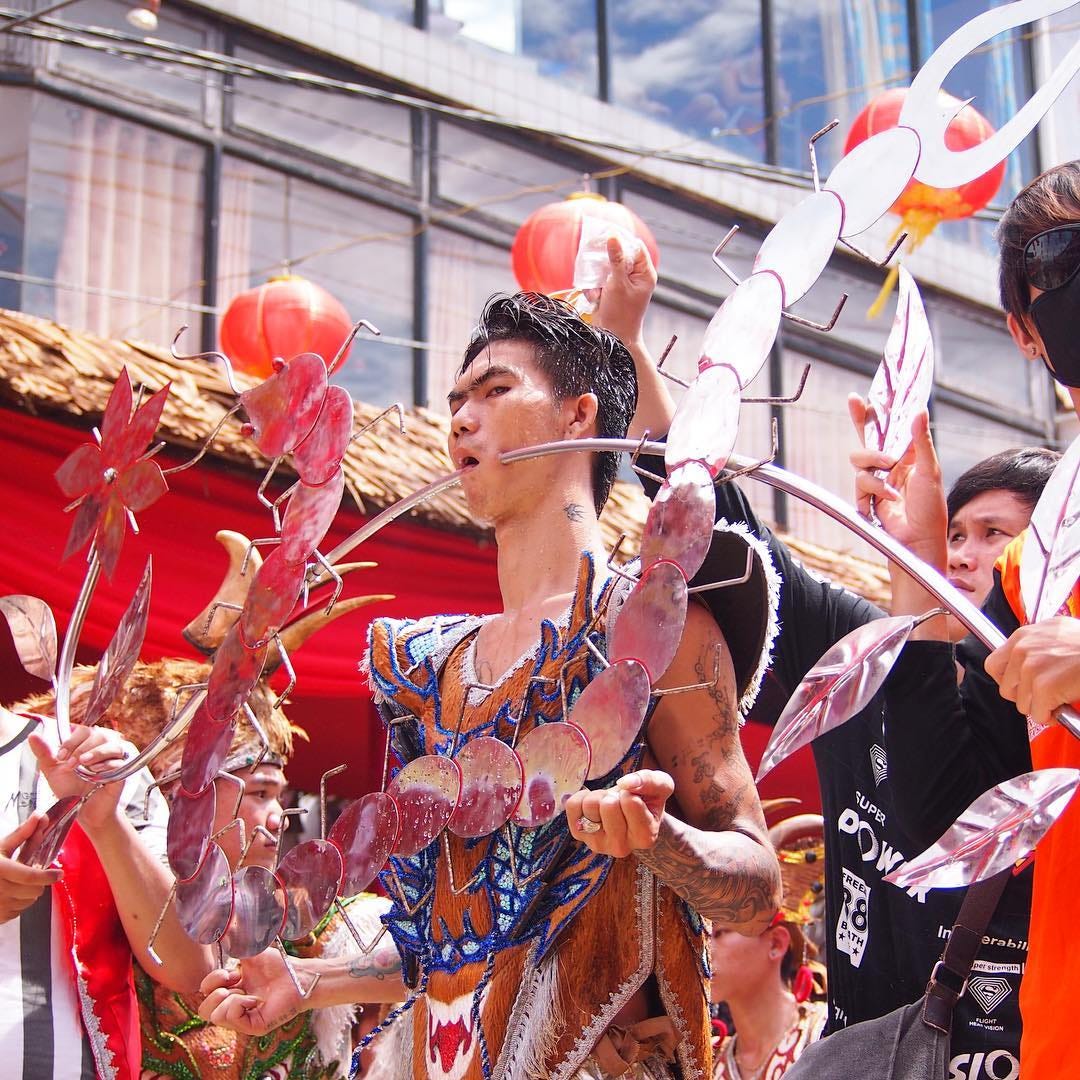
point(68, 931)
point(881, 941)
point(973, 736)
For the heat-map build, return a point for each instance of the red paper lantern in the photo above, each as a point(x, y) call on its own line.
point(546, 245)
point(920, 207)
point(967, 129)
point(286, 316)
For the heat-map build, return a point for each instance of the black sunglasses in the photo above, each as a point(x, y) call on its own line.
point(1052, 258)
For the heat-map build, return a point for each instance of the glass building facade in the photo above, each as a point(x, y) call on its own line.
point(137, 195)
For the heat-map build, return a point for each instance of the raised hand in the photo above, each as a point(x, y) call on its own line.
point(21, 885)
point(908, 494)
point(629, 814)
point(93, 748)
point(626, 293)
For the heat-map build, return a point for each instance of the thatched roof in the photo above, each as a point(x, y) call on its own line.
point(49, 369)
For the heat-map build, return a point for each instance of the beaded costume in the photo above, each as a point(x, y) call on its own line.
point(501, 933)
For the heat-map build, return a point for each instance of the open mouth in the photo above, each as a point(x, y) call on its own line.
point(469, 462)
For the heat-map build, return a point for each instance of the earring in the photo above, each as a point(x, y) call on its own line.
point(1033, 350)
point(803, 985)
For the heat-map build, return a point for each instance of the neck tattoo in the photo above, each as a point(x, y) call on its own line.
point(574, 512)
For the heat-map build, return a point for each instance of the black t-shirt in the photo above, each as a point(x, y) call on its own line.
point(963, 739)
point(881, 941)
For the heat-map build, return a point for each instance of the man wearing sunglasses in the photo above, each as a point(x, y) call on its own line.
point(975, 735)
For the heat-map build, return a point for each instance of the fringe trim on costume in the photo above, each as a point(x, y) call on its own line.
point(390, 1022)
point(645, 917)
point(772, 625)
point(673, 1009)
point(536, 1023)
point(392, 1057)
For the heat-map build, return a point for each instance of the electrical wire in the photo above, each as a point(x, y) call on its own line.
point(167, 55)
point(137, 47)
point(117, 43)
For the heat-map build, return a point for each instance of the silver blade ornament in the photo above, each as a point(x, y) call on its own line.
point(121, 654)
point(904, 378)
point(838, 686)
point(1000, 828)
point(33, 629)
point(1050, 561)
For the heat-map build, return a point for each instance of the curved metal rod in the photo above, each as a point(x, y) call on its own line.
point(177, 726)
point(828, 503)
point(208, 442)
point(391, 513)
point(361, 324)
point(71, 642)
point(223, 361)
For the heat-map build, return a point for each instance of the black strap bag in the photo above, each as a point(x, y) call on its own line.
point(912, 1042)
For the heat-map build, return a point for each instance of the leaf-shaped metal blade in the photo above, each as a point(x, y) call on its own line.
point(1001, 826)
point(905, 376)
point(49, 836)
point(119, 659)
point(33, 629)
point(1050, 563)
point(837, 686)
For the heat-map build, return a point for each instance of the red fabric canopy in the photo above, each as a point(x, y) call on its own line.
point(430, 571)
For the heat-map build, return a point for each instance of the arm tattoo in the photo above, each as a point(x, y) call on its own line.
point(727, 718)
point(728, 873)
point(574, 512)
point(720, 804)
point(737, 888)
point(364, 967)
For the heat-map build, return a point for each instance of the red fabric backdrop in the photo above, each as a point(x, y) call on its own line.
point(428, 570)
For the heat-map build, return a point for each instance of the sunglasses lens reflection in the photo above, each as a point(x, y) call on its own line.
point(1052, 258)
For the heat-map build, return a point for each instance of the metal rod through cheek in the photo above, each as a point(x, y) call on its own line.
point(825, 501)
point(379, 521)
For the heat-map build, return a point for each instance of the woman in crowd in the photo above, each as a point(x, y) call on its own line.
point(769, 983)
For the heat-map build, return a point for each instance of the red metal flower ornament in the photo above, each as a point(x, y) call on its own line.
point(116, 479)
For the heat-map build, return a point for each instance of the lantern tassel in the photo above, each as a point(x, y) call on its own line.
point(918, 224)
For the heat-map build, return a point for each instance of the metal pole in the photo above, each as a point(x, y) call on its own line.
point(34, 16)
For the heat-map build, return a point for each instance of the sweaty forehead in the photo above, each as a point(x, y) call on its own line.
point(515, 354)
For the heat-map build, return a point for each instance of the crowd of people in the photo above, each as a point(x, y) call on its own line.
point(582, 948)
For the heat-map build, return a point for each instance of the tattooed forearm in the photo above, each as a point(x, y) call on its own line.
point(374, 967)
point(731, 878)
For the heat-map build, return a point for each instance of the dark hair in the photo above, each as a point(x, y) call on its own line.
point(576, 357)
point(1024, 472)
point(1050, 200)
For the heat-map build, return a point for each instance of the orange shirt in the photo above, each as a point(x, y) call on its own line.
point(1048, 1048)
